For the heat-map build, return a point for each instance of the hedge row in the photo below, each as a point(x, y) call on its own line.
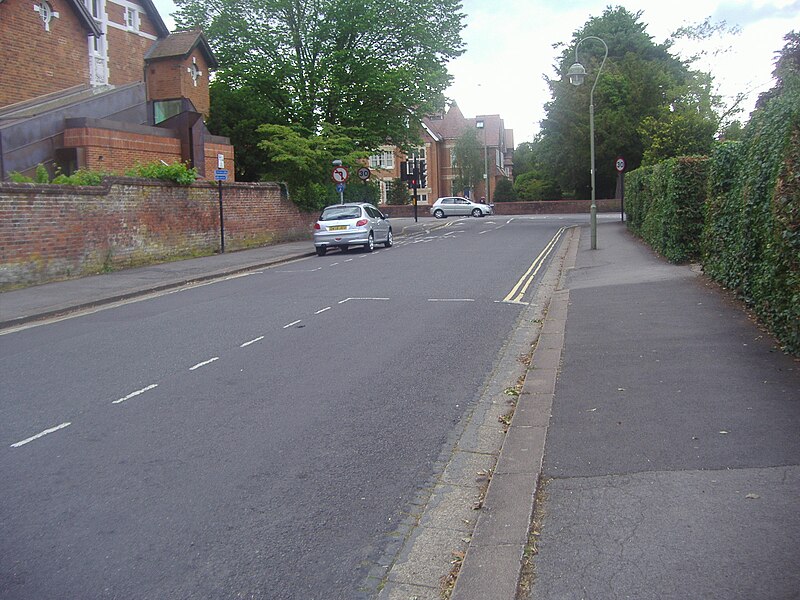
point(737, 211)
point(751, 237)
point(664, 204)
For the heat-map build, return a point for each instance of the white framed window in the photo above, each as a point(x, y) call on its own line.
point(131, 19)
point(383, 160)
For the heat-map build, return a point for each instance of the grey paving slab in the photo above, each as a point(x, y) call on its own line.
point(488, 573)
point(671, 535)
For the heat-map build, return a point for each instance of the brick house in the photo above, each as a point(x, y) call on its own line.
point(102, 84)
point(439, 136)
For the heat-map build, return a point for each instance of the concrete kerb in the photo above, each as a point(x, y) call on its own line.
point(445, 530)
point(493, 563)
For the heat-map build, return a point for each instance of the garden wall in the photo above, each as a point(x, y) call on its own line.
point(549, 207)
point(50, 232)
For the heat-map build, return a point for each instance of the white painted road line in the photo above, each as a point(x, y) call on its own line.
point(246, 344)
point(204, 363)
point(292, 323)
point(42, 434)
point(136, 393)
point(319, 312)
point(348, 299)
point(451, 300)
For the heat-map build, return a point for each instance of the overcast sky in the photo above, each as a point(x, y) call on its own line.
point(510, 48)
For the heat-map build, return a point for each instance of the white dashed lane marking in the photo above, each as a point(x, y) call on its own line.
point(42, 434)
point(136, 393)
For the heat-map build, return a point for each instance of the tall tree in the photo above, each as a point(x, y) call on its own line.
point(468, 162)
point(375, 66)
point(640, 80)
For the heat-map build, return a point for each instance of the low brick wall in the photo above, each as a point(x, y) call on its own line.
point(50, 232)
point(550, 207)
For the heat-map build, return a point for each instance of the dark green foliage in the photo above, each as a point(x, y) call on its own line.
point(79, 177)
point(751, 240)
point(303, 161)
point(665, 206)
point(504, 191)
point(533, 185)
point(373, 65)
point(176, 172)
point(469, 161)
point(357, 191)
point(648, 104)
point(397, 192)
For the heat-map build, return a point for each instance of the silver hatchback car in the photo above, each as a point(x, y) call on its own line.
point(355, 224)
point(456, 206)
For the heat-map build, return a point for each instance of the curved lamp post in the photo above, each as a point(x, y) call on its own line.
point(576, 74)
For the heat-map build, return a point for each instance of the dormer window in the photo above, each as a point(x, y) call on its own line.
point(132, 19)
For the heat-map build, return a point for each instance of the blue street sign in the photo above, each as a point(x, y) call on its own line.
point(340, 187)
point(221, 175)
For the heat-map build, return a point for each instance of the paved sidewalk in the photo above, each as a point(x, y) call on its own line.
point(672, 461)
point(25, 305)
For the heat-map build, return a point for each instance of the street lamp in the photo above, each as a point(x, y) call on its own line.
point(577, 74)
point(482, 125)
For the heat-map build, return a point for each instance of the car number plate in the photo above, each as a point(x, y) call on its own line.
point(337, 227)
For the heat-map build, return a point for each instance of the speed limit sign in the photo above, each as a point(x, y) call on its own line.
point(363, 173)
point(620, 164)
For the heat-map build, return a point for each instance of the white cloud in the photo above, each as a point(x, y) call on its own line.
point(510, 48)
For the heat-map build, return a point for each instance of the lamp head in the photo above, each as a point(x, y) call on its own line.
point(576, 74)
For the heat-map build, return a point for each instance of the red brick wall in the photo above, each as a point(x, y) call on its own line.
point(169, 78)
point(126, 50)
point(34, 62)
point(55, 232)
point(114, 151)
point(554, 207)
point(117, 151)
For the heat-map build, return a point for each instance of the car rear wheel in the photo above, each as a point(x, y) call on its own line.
point(477, 212)
point(389, 239)
point(438, 213)
point(321, 251)
point(370, 245)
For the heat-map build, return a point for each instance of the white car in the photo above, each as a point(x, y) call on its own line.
point(355, 224)
point(456, 206)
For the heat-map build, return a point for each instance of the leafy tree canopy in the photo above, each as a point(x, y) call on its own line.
point(641, 85)
point(373, 65)
point(468, 161)
point(303, 160)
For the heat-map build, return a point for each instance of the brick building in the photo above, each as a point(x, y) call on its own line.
point(102, 84)
point(439, 136)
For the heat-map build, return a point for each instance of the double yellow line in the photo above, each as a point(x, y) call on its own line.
point(518, 291)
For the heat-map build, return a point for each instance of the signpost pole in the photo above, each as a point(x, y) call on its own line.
point(220, 175)
point(620, 165)
point(221, 221)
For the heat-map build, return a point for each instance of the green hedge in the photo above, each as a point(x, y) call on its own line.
point(738, 211)
point(751, 239)
point(665, 206)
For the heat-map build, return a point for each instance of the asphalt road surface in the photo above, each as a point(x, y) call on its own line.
point(256, 437)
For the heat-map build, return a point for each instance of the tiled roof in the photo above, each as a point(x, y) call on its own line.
point(181, 44)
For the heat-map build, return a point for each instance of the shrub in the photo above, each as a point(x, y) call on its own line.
point(504, 192)
point(665, 206)
point(751, 238)
point(176, 172)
